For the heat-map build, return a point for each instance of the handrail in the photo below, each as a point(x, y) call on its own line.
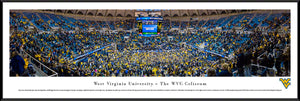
point(207, 51)
point(260, 58)
point(41, 64)
point(88, 53)
point(260, 66)
point(261, 55)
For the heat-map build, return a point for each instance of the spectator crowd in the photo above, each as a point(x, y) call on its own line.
point(198, 53)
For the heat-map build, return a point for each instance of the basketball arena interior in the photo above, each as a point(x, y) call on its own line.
point(149, 43)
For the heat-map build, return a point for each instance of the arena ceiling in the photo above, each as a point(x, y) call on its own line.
point(130, 13)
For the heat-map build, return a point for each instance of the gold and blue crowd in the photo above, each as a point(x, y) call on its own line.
point(195, 53)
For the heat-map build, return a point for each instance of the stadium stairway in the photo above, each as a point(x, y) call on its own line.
point(115, 25)
point(43, 19)
point(208, 23)
point(26, 18)
point(46, 19)
point(226, 21)
point(55, 24)
point(243, 20)
point(133, 25)
point(286, 22)
point(264, 19)
point(97, 24)
point(70, 21)
point(84, 22)
point(231, 20)
point(270, 18)
point(258, 19)
point(94, 24)
point(252, 18)
point(74, 21)
point(33, 19)
point(54, 18)
point(67, 22)
point(204, 23)
point(218, 22)
point(201, 23)
point(236, 20)
point(89, 24)
point(221, 24)
point(106, 23)
point(50, 21)
point(17, 22)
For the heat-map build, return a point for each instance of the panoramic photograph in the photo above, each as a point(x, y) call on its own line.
point(149, 43)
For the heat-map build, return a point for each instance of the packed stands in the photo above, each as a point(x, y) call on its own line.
point(231, 43)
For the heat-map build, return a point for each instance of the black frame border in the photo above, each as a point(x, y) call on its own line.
point(130, 99)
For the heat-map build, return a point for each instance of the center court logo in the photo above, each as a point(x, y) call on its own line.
point(286, 82)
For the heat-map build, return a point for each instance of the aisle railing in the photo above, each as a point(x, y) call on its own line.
point(43, 69)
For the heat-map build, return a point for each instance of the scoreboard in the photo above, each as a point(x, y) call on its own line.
point(149, 26)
